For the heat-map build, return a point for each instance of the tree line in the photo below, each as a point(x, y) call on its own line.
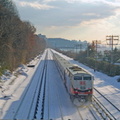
point(18, 41)
point(97, 61)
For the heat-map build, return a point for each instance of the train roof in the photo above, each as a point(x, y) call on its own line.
point(72, 68)
point(76, 70)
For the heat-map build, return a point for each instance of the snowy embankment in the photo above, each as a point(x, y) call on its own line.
point(11, 83)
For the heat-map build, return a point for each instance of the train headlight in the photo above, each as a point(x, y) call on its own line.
point(89, 90)
point(75, 90)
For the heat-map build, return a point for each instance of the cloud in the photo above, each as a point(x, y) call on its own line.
point(35, 5)
point(65, 12)
point(77, 12)
point(109, 2)
point(47, 1)
point(65, 17)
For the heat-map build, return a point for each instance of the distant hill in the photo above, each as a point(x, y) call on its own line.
point(65, 44)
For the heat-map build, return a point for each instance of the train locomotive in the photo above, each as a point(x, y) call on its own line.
point(78, 82)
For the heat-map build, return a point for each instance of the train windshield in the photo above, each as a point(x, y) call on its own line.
point(77, 77)
point(87, 78)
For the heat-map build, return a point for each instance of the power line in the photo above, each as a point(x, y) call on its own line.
point(112, 40)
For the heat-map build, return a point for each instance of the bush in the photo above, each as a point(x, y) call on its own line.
point(102, 66)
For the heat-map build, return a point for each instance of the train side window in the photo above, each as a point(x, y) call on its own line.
point(77, 77)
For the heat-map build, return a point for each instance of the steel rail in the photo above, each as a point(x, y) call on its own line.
point(103, 109)
point(41, 86)
point(107, 100)
point(80, 114)
point(16, 90)
point(60, 73)
point(24, 95)
point(43, 100)
point(92, 113)
point(36, 94)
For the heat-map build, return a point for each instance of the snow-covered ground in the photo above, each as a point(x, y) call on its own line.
point(58, 99)
point(57, 102)
point(105, 84)
point(13, 87)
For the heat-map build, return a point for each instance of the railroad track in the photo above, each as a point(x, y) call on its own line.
point(93, 112)
point(80, 110)
point(107, 109)
point(11, 94)
point(43, 106)
point(30, 96)
point(87, 113)
point(104, 109)
point(40, 104)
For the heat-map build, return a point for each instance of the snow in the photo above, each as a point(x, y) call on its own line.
point(12, 89)
point(106, 85)
point(58, 102)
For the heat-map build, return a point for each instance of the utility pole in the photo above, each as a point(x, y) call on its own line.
point(112, 40)
point(87, 49)
point(95, 43)
point(78, 46)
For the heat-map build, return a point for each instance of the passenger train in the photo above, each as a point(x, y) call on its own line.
point(78, 82)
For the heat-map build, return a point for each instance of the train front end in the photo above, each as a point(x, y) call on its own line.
point(82, 88)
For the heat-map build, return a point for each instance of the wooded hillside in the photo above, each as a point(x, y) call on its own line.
point(18, 42)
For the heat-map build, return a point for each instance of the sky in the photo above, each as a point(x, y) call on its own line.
point(72, 19)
